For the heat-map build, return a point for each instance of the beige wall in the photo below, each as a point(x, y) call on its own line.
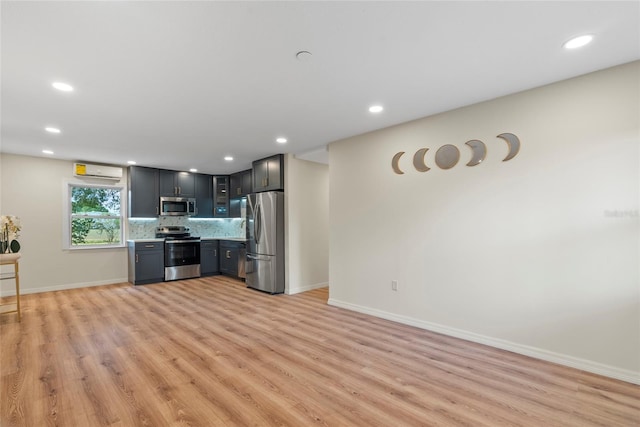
point(538, 255)
point(307, 218)
point(32, 189)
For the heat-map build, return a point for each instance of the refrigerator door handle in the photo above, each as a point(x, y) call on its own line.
point(257, 223)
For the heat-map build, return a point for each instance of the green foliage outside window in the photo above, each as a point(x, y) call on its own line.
point(95, 216)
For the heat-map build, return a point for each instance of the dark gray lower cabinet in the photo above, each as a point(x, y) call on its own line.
point(146, 262)
point(232, 258)
point(209, 264)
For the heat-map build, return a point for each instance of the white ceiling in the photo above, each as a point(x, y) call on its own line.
point(182, 84)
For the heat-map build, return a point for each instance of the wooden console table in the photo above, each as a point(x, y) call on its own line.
point(9, 259)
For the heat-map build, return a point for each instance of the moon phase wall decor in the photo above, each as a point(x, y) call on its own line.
point(447, 156)
point(418, 160)
point(514, 145)
point(394, 163)
point(479, 151)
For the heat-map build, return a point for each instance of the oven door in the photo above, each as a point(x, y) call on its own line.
point(181, 259)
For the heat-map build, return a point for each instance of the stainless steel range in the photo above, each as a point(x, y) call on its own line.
point(181, 253)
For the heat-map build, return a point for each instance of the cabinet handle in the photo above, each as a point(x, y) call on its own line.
point(238, 191)
point(215, 252)
point(136, 258)
point(179, 190)
point(228, 254)
point(149, 246)
point(157, 211)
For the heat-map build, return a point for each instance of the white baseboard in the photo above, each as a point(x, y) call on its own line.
point(24, 291)
point(298, 289)
point(538, 353)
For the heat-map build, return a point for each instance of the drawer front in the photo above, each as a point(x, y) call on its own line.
point(149, 246)
point(230, 244)
point(209, 245)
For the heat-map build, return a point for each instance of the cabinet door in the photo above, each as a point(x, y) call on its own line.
point(260, 173)
point(235, 185)
point(186, 184)
point(146, 262)
point(209, 257)
point(229, 260)
point(204, 195)
point(275, 176)
point(225, 260)
point(150, 266)
point(220, 196)
point(246, 182)
point(236, 206)
point(268, 174)
point(167, 183)
point(174, 183)
point(143, 192)
point(240, 184)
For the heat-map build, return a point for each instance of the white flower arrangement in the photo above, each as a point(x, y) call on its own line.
point(10, 224)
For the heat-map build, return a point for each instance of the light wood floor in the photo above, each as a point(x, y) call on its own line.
point(210, 352)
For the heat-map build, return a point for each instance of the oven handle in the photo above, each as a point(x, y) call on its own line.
point(170, 242)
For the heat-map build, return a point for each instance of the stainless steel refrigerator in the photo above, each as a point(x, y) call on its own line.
point(265, 242)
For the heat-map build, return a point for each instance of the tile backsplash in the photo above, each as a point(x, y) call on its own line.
point(205, 228)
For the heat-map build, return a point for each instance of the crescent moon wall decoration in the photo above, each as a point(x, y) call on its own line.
point(418, 160)
point(394, 163)
point(479, 151)
point(514, 145)
point(447, 156)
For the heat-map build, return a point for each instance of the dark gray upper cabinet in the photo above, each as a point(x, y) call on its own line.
point(143, 192)
point(178, 184)
point(268, 174)
point(204, 195)
point(240, 184)
point(221, 196)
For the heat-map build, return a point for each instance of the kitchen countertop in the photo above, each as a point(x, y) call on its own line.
point(233, 239)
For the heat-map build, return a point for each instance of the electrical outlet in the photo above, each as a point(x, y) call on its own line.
point(394, 285)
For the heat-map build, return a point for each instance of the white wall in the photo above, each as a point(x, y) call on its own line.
point(307, 218)
point(538, 255)
point(32, 189)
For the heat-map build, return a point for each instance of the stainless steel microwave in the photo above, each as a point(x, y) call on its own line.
point(177, 206)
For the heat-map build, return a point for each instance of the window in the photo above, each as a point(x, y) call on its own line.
point(94, 216)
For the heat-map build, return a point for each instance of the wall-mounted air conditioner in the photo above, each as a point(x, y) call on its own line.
point(88, 170)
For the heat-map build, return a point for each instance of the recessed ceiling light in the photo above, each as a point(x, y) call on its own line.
point(577, 42)
point(64, 87)
point(375, 108)
point(131, 162)
point(47, 151)
point(193, 170)
point(52, 129)
point(281, 140)
point(228, 158)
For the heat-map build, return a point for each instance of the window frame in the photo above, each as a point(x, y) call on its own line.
point(68, 215)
